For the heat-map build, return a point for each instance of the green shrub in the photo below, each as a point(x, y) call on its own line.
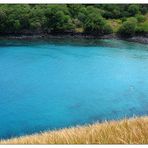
point(123, 19)
point(128, 28)
point(35, 25)
point(133, 10)
point(144, 9)
point(17, 25)
point(69, 17)
point(96, 24)
point(58, 21)
point(142, 28)
point(107, 29)
point(140, 18)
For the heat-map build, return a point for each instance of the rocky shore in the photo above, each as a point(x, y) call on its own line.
point(137, 38)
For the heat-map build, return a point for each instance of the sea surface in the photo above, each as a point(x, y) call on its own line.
point(55, 83)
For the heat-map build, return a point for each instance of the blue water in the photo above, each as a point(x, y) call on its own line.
point(51, 84)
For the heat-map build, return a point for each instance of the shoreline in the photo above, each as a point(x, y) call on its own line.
point(125, 131)
point(139, 38)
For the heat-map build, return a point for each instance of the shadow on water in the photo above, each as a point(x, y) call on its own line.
point(112, 43)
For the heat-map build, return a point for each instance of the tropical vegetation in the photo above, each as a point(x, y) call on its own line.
point(96, 19)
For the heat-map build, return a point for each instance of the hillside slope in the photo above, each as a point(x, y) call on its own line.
point(127, 131)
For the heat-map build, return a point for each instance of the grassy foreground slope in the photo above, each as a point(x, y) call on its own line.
point(127, 131)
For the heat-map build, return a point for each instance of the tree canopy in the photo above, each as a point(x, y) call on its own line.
point(59, 18)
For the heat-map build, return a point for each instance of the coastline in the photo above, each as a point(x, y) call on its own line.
point(125, 131)
point(137, 38)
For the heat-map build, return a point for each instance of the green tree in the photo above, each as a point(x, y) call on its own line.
point(128, 28)
point(96, 24)
point(3, 18)
point(16, 25)
point(90, 18)
point(58, 21)
point(35, 25)
point(140, 18)
point(133, 10)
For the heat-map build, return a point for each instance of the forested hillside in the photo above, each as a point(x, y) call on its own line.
point(96, 19)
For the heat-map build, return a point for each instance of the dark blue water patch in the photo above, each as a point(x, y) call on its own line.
point(47, 85)
point(71, 41)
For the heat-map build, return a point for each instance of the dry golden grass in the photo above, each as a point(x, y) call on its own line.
point(127, 131)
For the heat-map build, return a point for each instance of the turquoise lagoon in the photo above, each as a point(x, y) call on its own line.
point(56, 83)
